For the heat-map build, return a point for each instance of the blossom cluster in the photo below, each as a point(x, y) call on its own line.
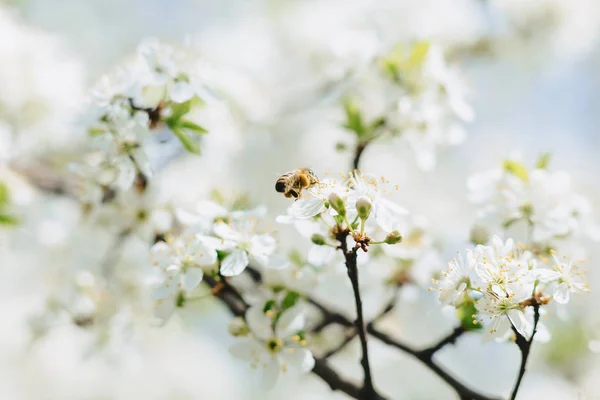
point(414, 95)
point(497, 284)
point(542, 199)
point(160, 90)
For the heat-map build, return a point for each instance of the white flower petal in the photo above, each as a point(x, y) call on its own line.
point(320, 255)
point(192, 278)
point(235, 263)
point(163, 309)
point(517, 318)
point(290, 323)
point(245, 349)
point(277, 262)
point(562, 294)
point(298, 358)
point(389, 215)
point(270, 373)
point(226, 232)
point(307, 208)
point(163, 291)
point(259, 323)
point(143, 162)
point(181, 92)
point(161, 255)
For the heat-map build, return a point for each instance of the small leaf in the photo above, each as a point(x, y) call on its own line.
point(178, 110)
point(418, 55)
point(269, 305)
point(94, 131)
point(184, 124)
point(378, 123)
point(221, 255)
point(509, 222)
point(543, 161)
point(8, 220)
point(517, 169)
point(354, 120)
point(290, 300)
point(4, 195)
point(466, 313)
point(190, 144)
point(180, 302)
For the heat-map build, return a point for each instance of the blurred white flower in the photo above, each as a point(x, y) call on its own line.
point(500, 312)
point(180, 262)
point(563, 279)
point(274, 347)
point(456, 280)
point(244, 244)
point(543, 199)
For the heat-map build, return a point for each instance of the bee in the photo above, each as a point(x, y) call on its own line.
point(291, 183)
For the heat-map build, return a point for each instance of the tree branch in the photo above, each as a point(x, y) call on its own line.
point(525, 347)
point(368, 389)
point(233, 300)
point(426, 357)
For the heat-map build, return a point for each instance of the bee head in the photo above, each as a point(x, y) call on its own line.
point(280, 186)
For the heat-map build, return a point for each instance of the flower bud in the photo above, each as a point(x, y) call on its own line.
point(337, 203)
point(363, 206)
point(479, 235)
point(238, 327)
point(318, 239)
point(393, 237)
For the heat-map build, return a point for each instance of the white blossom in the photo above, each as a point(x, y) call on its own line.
point(563, 279)
point(274, 347)
point(245, 244)
point(180, 262)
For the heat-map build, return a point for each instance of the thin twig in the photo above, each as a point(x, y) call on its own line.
point(352, 269)
point(426, 357)
point(348, 337)
point(525, 347)
point(231, 298)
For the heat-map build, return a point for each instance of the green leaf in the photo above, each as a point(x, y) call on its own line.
point(517, 169)
point(509, 222)
point(354, 120)
point(4, 195)
point(8, 220)
point(378, 123)
point(269, 305)
point(290, 300)
point(543, 161)
point(418, 55)
point(465, 314)
point(221, 255)
point(180, 302)
point(190, 144)
point(184, 124)
point(178, 110)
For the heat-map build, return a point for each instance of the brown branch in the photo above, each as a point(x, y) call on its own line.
point(525, 348)
point(368, 389)
point(426, 357)
point(233, 300)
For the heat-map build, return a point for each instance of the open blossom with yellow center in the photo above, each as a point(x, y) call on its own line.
point(274, 345)
point(563, 279)
point(346, 193)
point(245, 244)
point(501, 311)
point(180, 261)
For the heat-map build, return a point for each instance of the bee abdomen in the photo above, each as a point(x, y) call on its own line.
point(280, 185)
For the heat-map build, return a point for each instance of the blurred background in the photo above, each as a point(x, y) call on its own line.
point(532, 71)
